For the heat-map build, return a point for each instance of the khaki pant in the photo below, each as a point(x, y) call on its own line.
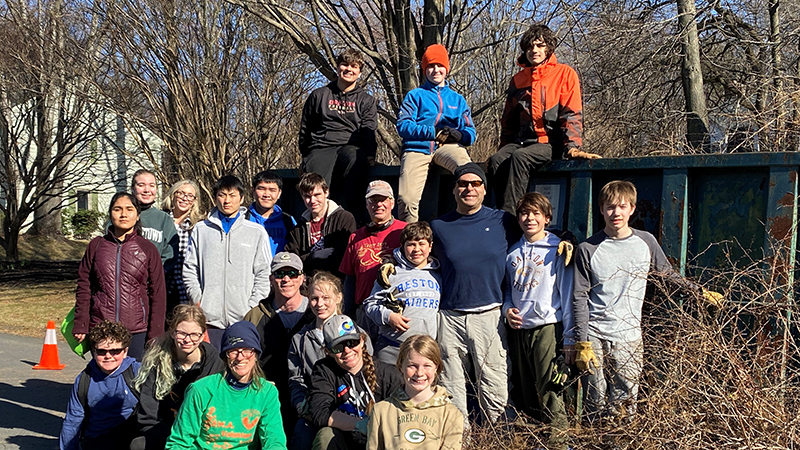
point(483, 336)
point(414, 173)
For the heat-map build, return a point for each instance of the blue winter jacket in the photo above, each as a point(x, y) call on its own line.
point(429, 108)
point(275, 226)
point(110, 402)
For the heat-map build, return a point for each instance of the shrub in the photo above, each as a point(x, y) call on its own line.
point(84, 222)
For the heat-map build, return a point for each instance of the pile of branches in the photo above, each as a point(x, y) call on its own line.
point(713, 377)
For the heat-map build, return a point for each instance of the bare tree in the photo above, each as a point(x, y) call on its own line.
point(46, 120)
point(692, 77)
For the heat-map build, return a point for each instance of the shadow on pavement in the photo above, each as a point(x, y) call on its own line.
point(33, 443)
point(23, 413)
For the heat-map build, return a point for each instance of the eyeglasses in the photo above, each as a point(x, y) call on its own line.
point(473, 183)
point(181, 335)
point(377, 199)
point(339, 348)
point(185, 195)
point(104, 351)
point(293, 273)
point(244, 352)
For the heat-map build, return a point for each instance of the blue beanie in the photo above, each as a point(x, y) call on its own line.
point(241, 334)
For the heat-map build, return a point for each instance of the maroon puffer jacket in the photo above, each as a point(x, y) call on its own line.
point(121, 282)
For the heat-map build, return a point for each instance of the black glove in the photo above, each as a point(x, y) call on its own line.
point(392, 303)
point(453, 136)
point(322, 253)
point(442, 135)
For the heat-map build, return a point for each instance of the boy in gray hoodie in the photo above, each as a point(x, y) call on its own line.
point(411, 303)
point(226, 268)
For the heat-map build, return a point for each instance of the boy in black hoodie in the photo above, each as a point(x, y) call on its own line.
point(337, 132)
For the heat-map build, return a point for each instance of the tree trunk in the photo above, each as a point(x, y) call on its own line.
point(432, 22)
point(692, 77)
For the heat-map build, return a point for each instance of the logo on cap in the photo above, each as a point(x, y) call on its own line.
point(347, 327)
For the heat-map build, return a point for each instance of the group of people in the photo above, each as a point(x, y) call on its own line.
point(248, 328)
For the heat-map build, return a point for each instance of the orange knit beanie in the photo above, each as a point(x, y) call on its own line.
point(436, 53)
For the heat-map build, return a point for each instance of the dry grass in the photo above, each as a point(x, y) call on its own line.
point(42, 248)
point(713, 378)
point(25, 308)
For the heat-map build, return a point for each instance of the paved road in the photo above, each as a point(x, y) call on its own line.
point(32, 402)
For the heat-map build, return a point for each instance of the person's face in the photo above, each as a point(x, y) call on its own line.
point(123, 215)
point(469, 191)
point(616, 214)
point(266, 194)
point(183, 199)
point(419, 373)
point(229, 201)
point(380, 208)
point(417, 252)
point(287, 281)
point(348, 73)
point(316, 201)
point(188, 336)
point(532, 222)
point(351, 355)
point(323, 301)
point(537, 54)
point(436, 73)
point(109, 355)
point(144, 188)
point(241, 362)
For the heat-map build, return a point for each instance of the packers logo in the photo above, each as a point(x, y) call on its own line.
point(414, 435)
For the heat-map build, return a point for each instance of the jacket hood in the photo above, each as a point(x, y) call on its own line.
point(440, 398)
point(523, 62)
point(334, 87)
point(214, 217)
point(99, 374)
point(332, 206)
point(433, 263)
point(549, 240)
point(276, 216)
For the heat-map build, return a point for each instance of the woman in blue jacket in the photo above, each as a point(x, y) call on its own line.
point(436, 125)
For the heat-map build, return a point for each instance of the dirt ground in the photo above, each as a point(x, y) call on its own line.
point(34, 292)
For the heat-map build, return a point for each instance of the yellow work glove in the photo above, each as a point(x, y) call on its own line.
point(584, 357)
point(565, 246)
point(384, 272)
point(713, 298)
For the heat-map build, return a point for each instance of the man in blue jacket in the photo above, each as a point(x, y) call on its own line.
point(436, 125)
point(267, 189)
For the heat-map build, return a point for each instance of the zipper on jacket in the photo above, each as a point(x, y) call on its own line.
point(438, 116)
point(116, 283)
point(227, 242)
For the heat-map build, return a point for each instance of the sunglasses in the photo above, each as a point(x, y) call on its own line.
point(104, 351)
point(339, 348)
point(293, 273)
point(473, 183)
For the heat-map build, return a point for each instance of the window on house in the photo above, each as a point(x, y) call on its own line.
point(83, 201)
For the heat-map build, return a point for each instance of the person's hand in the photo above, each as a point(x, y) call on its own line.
point(371, 161)
point(579, 154)
point(454, 136)
point(384, 272)
point(398, 322)
point(585, 358)
point(361, 425)
point(514, 319)
point(79, 336)
point(303, 408)
point(442, 135)
point(569, 354)
point(322, 253)
point(713, 298)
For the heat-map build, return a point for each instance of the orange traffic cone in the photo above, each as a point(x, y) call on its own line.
point(49, 359)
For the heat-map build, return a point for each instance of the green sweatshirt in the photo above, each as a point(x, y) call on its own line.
point(215, 415)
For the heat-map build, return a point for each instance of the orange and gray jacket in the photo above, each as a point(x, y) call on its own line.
point(543, 104)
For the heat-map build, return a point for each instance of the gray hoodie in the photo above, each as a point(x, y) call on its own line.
point(418, 288)
point(227, 274)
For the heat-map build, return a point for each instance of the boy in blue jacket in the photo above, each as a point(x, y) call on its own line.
point(100, 409)
point(436, 125)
